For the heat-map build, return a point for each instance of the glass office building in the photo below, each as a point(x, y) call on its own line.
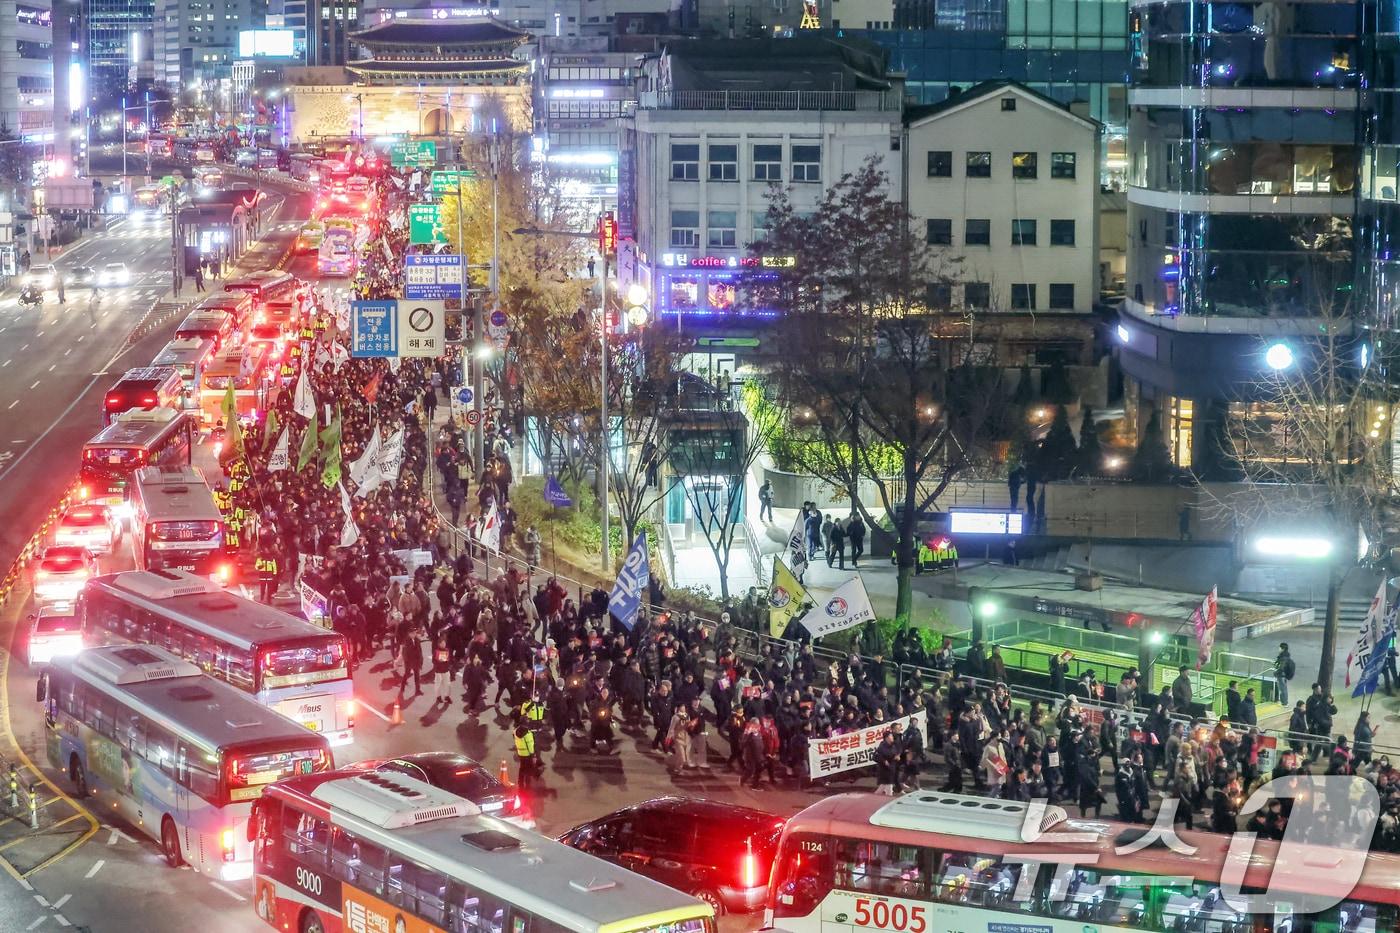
point(1244, 151)
point(115, 29)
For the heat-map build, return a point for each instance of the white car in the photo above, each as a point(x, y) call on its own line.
point(45, 276)
point(53, 633)
point(62, 573)
point(114, 273)
point(92, 526)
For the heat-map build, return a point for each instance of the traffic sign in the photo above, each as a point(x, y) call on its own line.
point(413, 152)
point(473, 417)
point(374, 328)
point(465, 395)
point(422, 328)
point(425, 224)
point(433, 276)
point(498, 318)
point(450, 181)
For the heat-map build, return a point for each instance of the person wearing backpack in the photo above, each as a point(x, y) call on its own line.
point(1284, 669)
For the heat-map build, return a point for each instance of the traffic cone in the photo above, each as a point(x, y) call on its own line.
point(504, 775)
point(396, 714)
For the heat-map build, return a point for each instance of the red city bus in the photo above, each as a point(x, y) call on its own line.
point(264, 286)
point(136, 439)
point(145, 387)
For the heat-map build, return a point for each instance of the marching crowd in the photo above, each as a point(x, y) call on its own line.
point(467, 628)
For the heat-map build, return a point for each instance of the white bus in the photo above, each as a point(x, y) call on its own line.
point(174, 521)
point(930, 862)
point(178, 755)
point(348, 852)
point(289, 664)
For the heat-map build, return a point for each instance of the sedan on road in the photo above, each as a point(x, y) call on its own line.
point(54, 632)
point(62, 573)
point(80, 277)
point(114, 273)
point(459, 775)
point(45, 276)
point(91, 526)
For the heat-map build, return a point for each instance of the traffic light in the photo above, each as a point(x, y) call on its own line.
point(607, 233)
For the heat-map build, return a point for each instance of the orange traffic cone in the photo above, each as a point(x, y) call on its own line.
point(396, 714)
point(504, 775)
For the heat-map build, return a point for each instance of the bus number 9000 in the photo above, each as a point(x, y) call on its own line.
point(883, 916)
point(311, 882)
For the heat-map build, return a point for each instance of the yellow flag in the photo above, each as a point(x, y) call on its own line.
point(786, 598)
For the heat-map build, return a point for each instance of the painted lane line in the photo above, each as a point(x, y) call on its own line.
point(34, 386)
point(52, 367)
point(26, 885)
point(229, 891)
point(58, 904)
point(37, 921)
point(14, 403)
point(62, 920)
point(96, 867)
point(68, 351)
point(4, 364)
point(42, 901)
point(112, 839)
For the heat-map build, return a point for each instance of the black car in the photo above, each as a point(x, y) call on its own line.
point(459, 775)
point(718, 852)
point(80, 277)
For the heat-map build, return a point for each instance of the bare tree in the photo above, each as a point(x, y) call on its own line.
point(643, 371)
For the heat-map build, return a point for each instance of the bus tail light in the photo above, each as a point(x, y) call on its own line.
point(748, 870)
point(83, 492)
point(226, 842)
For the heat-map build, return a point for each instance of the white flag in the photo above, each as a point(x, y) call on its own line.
point(1368, 637)
point(490, 534)
point(365, 464)
point(304, 402)
point(797, 546)
point(848, 605)
point(391, 457)
point(280, 459)
point(349, 531)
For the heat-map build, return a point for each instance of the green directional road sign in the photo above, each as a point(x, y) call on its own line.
point(450, 181)
point(413, 152)
point(425, 224)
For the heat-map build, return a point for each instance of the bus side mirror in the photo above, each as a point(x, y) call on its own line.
point(41, 688)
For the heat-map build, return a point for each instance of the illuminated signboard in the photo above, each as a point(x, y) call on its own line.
point(684, 261)
point(985, 523)
point(33, 16)
point(268, 43)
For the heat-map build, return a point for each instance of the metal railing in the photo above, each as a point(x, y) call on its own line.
point(771, 100)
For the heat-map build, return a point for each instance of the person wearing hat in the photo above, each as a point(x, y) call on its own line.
point(1284, 669)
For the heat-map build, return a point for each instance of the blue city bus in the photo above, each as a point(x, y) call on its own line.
point(177, 754)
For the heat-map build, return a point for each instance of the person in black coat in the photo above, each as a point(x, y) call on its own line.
point(662, 709)
point(411, 654)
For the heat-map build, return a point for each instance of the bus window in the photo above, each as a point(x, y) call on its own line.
point(982, 880)
point(883, 868)
point(307, 838)
point(427, 890)
point(200, 776)
point(803, 874)
point(1083, 894)
point(234, 666)
point(160, 749)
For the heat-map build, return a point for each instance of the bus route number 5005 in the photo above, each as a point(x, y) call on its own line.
point(884, 916)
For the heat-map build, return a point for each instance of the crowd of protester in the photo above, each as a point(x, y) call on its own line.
point(475, 631)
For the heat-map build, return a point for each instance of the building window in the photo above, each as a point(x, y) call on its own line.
point(1062, 165)
point(1008, 103)
point(1061, 233)
point(685, 228)
point(977, 233)
point(768, 163)
point(806, 163)
point(940, 232)
point(940, 296)
point(940, 163)
point(979, 165)
point(1023, 296)
point(760, 226)
point(724, 163)
point(1182, 415)
point(1062, 296)
point(977, 295)
point(720, 229)
point(1023, 165)
point(1023, 233)
point(685, 161)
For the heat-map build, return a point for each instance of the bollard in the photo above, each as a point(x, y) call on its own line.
point(33, 806)
point(14, 788)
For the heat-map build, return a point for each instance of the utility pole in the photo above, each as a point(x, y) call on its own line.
point(177, 252)
point(148, 135)
point(148, 141)
point(605, 442)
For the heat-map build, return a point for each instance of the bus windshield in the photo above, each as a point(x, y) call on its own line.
point(309, 663)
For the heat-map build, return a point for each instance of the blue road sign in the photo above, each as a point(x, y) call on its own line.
point(432, 276)
point(464, 395)
point(374, 328)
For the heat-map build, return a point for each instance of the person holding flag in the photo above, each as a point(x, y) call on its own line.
point(786, 598)
point(625, 601)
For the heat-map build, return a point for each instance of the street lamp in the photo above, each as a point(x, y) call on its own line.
point(1279, 356)
point(360, 125)
point(636, 300)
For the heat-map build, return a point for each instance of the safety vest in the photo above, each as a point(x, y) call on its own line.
point(240, 514)
point(925, 553)
point(231, 537)
point(322, 323)
point(307, 333)
point(266, 566)
point(222, 500)
point(525, 745)
point(532, 711)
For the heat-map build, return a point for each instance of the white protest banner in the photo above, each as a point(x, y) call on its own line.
point(847, 606)
point(316, 607)
point(851, 750)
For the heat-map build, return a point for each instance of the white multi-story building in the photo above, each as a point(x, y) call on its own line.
point(1003, 181)
point(718, 124)
point(196, 43)
point(26, 69)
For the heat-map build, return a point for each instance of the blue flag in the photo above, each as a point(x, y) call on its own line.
point(555, 495)
point(632, 582)
point(1375, 661)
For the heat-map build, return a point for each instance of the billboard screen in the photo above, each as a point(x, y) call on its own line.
point(265, 43)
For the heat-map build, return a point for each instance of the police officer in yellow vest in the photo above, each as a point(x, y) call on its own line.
point(526, 757)
point(266, 566)
point(530, 714)
point(233, 526)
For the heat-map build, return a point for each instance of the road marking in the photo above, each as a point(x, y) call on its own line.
point(58, 904)
point(37, 921)
point(14, 403)
point(52, 367)
point(34, 386)
point(81, 337)
point(23, 348)
point(43, 901)
point(40, 334)
point(68, 351)
point(229, 891)
point(4, 364)
point(370, 707)
point(62, 920)
point(96, 867)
